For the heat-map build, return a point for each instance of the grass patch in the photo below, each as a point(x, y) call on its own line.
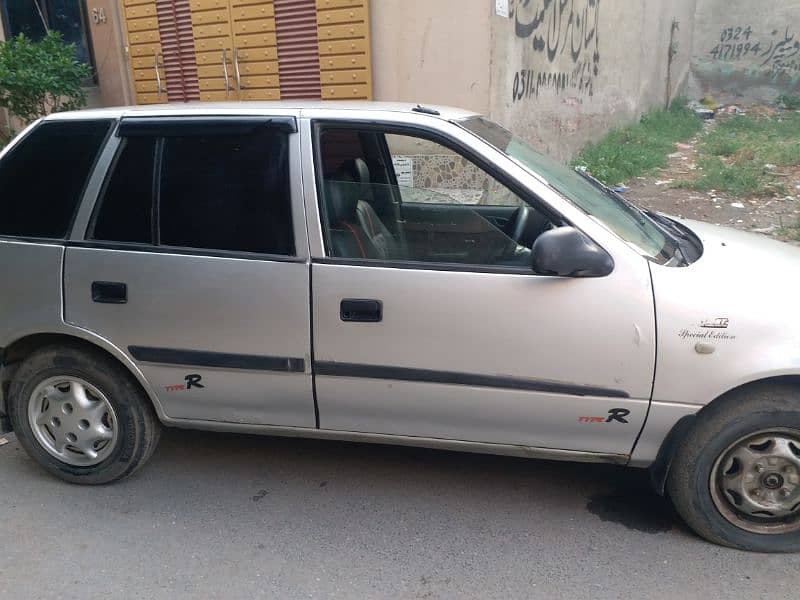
point(753, 149)
point(631, 151)
point(723, 177)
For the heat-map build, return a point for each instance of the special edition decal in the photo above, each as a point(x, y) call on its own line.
point(708, 330)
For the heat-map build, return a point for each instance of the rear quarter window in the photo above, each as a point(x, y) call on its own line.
point(43, 176)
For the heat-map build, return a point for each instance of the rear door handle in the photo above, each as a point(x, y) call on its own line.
point(364, 311)
point(109, 292)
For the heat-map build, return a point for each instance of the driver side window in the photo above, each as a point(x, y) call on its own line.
point(392, 197)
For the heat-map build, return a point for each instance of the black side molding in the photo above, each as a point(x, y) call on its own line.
point(337, 369)
point(222, 360)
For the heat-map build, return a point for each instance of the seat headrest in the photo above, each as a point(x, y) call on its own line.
point(359, 169)
point(342, 198)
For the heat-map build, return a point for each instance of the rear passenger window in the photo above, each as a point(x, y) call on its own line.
point(126, 205)
point(43, 177)
point(224, 192)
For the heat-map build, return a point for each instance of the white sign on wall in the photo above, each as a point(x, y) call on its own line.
point(404, 169)
point(501, 8)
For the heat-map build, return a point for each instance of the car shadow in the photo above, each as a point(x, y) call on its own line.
point(610, 493)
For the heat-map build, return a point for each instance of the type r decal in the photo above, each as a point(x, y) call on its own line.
point(192, 381)
point(614, 414)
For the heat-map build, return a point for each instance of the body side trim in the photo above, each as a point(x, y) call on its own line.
point(403, 440)
point(199, 358)
point(336, 369)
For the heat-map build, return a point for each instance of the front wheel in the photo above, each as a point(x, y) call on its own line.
point(81, 416)
point(735, 478)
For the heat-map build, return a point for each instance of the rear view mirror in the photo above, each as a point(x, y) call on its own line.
point(567, 252)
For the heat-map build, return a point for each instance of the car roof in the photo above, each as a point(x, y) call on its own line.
point(251, 108)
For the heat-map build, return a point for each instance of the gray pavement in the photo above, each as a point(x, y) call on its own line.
point(226, 516)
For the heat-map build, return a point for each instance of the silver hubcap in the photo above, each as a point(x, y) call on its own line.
point(72, 420)
point(755, 483)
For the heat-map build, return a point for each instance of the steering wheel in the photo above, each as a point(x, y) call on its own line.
point(517, 227)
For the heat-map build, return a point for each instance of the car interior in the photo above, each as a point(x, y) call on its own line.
point(369, 216)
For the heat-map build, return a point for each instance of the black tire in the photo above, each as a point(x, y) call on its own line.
point(755, 408)
point(138, 427)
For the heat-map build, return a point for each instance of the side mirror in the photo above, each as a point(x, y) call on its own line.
point(566, 252)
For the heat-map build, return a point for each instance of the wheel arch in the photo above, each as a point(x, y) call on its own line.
point(659, 470)
point(18, 350)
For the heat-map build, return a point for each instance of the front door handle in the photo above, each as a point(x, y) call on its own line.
point(109, 292)
point(364, 311)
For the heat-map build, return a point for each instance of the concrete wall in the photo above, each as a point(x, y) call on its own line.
point(563, 73)
point(746, 51)
point(434, 51)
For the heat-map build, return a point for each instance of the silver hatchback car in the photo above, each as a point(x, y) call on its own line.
point(388, 273)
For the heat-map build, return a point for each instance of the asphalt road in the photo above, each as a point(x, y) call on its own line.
point(226, 516)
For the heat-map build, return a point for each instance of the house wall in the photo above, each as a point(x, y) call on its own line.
point(746, 51)
point(559, 73)
point(563, 73)
point(433, 52)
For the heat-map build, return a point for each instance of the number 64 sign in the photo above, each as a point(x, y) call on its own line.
point(99, 15)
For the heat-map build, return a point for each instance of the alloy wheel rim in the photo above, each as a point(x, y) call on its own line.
point(755, 482)
point(73, 420)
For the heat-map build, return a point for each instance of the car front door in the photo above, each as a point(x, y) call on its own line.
point(444, 331)
point(193, 260)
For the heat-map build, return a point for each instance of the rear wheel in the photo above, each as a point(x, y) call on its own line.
point(735, 478)
point(81, 416)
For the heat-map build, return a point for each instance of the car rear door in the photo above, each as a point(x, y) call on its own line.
point(193, 260)
point(475, 350)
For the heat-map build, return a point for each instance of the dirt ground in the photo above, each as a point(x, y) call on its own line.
point(777, 217)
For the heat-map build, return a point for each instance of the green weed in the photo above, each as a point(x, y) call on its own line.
point(755, 147)
point(722, 177)
point(637, 149)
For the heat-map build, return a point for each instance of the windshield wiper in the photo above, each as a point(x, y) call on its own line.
point(664, 225)
point(605, 189)
point(685, 238)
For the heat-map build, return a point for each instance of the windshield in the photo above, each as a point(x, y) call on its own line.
point(604, 206)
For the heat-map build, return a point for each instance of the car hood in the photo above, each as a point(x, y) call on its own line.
point(739, 273)
point(739, 302)
point(753, 255)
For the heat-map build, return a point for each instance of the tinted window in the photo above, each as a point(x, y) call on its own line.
point(227, 193)
point(44, 175)
point(125, 209)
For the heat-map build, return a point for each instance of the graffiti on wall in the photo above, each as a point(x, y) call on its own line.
point(564, 44)
point(777, 53)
